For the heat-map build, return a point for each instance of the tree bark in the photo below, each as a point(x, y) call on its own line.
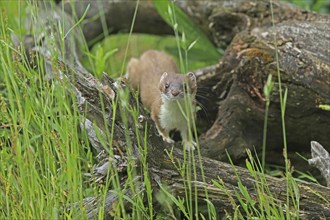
point(235, 85)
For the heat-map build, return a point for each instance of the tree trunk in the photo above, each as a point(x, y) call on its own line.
point(235, 85)
point(241, 76)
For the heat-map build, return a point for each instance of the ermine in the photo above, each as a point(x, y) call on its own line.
point(168, 95)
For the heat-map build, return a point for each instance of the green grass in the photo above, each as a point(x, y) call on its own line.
point(320, 6)
point(44, 153)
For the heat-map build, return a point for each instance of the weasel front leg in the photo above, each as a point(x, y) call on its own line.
point(163, 132)
point(165, 135)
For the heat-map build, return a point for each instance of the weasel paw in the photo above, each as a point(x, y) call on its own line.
point(189, 145)
point(168, 140)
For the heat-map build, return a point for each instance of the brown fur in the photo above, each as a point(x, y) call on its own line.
point(147, 75)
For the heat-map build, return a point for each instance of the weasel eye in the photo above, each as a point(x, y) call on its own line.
point(167, 85)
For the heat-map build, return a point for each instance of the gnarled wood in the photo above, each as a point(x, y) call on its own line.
point(242, 74)
point(321, 160)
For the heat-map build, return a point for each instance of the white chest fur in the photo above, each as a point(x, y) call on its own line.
point(174, 115)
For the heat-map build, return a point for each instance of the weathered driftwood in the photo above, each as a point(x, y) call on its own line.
point(321, 160)
point(236, 86)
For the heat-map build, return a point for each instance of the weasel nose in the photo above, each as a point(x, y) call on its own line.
point(175, 92)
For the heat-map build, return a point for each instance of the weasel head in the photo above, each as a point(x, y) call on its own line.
point(174, 86)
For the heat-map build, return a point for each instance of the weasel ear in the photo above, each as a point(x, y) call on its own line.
point(191, 77)
point(163, 76)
